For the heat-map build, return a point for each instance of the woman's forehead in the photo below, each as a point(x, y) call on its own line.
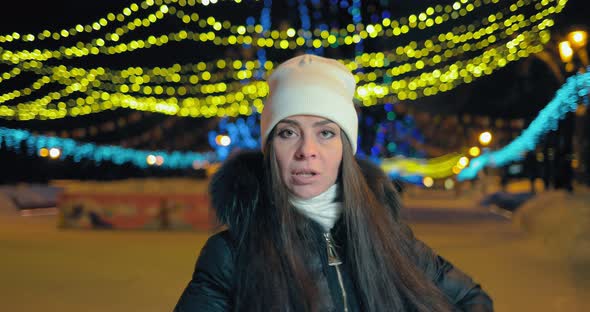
point(306, 119)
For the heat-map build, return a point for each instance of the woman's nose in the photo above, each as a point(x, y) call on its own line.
point(307, 148)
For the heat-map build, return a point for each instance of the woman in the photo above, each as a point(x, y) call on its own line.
point(311, 228)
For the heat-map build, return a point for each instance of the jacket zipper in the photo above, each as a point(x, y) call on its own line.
point(335, 261)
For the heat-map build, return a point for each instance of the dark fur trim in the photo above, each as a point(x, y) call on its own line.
point(236, 188)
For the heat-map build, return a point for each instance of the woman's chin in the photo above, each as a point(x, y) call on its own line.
point(305, 192)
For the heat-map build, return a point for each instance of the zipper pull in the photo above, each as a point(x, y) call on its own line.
point(333, 258)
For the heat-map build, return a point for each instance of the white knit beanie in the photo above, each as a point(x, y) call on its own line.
point(311, 85)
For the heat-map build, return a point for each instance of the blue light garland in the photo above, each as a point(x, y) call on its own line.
point(355, 12)
point(266, 24)
point(305, 25)
point(565, 101)
point(13, 138)
point(393, 134)
point(317, 15)
point(243, 134)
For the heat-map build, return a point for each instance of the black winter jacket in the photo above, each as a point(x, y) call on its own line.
point(238, 181)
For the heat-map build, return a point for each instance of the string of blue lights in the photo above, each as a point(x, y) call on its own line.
point(15, 139)
point(305, 25)
point(566, 100)
point(244, 133)
point(266, 24)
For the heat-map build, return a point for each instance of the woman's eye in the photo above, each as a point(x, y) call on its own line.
point(286, 133)
point(326, 134)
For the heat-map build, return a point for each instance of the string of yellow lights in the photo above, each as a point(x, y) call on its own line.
point(352, 34)
point(375, 60)
point(137, 81)
point(438, 167)
point(249, 98)
point(137, 87)
point(103, 22)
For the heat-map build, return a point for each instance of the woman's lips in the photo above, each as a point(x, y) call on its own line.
point(303, 177)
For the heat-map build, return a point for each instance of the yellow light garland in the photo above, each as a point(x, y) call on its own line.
point(143, 88)
point(381, 59)
point(245, 34)
point(438, 167)
point(101, 22)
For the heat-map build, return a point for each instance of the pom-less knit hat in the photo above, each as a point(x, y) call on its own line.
point(311, 85)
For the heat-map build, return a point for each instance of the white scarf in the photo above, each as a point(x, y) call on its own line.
point(323, 208)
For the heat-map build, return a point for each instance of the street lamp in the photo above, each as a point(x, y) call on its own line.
point(485, 138)
point(578, 38)
point(574, 44)
point(573, 53)
point(566, 53)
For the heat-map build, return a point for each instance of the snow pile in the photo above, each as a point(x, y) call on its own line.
point(561, 220)
point(7, 206)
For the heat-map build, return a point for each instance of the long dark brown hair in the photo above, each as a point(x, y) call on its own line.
point(272, 269)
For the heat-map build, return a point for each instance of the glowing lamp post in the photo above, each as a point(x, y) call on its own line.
point(578, 38)
point(574, 44)
point(222, 140)
point(573, 54)
point(566, 53)
point(485, 138)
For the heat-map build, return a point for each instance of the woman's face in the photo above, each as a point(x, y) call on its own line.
point(308, 150)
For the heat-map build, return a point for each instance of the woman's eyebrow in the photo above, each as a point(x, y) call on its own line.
point(323, 122)
point(290, 121)
point(315, 124)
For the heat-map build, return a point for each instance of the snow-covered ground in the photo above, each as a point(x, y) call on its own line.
point(535, 259)
point(559, 219)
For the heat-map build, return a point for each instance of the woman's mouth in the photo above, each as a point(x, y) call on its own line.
point(304, 176)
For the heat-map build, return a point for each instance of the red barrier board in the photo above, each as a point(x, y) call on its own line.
point(135, 211)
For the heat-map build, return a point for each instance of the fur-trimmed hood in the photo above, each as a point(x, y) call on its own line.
point(237, 189)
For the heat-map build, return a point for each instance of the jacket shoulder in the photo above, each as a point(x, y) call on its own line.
point(217, 255)
point(211, 286)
